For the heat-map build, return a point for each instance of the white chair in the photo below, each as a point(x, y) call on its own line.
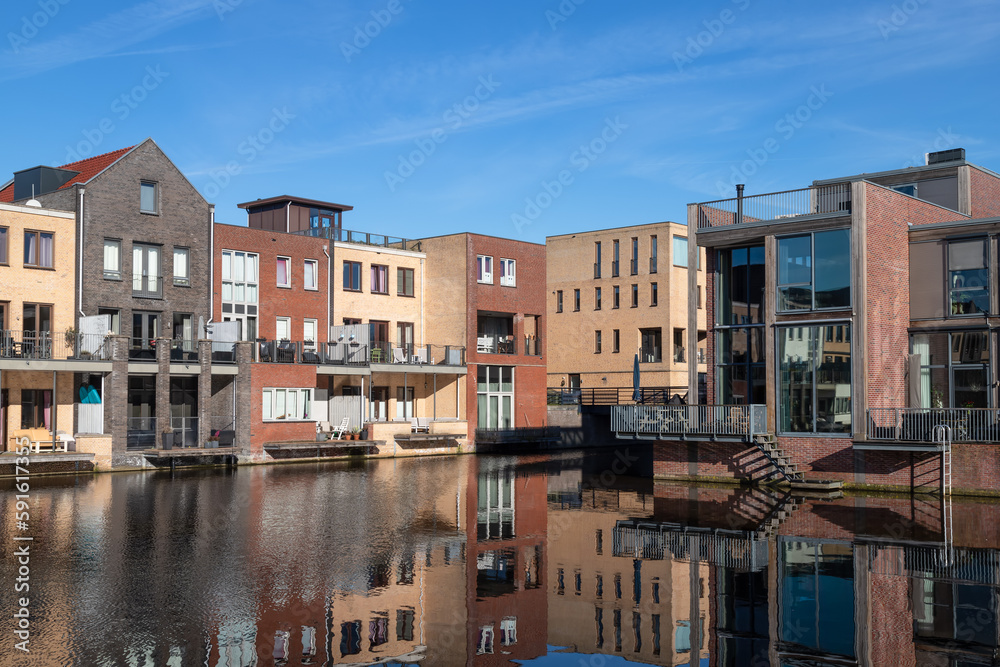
point(484, 344)
point(344, 423)
point(397, 356)
point(421, 356)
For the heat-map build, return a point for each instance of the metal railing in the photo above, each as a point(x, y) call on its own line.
point(614, 268)
point(834, 198)
point(650, 355)
point(147, 287)
point(917, 424)
point(360, 238)
point(727, 421)
point(345, 353)
point(183, 350)
point(495, 344)
point(141, 433)
point(532, 346)
point(616, 396)
point(222, 431)
point(185, 432)
point(47, 345)
point(679, 355)
point(142, 349)
point(387, 352)
point(741, 550)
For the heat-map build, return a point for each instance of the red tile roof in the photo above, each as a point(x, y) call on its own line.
point(88, 168)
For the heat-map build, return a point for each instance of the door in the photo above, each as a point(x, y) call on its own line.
point(184, 410)
point(380, 404)
point(310, 333)
point(404, 337)
point(37, 321)
point(145, 328)
point(379, 333)
point(404, 402)
point(146, 270)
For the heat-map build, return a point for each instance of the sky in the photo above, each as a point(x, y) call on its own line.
point(520, 119)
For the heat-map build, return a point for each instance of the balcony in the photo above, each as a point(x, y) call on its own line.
point(689, 422)
point(532, 346)
point(614, 269)
point(343, 353)
point(44, 345)
point(918, 425)
point(617, 396)
point(359, 238)
point(147, 287)
point(417, 355)
point(495, 344)
point(650, 355)
point(702, 356)
point(826, 199)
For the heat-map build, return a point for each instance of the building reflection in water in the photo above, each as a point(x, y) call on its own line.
point(491, 560)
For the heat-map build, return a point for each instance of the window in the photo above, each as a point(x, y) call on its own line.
point(348, 321)
point(968, 277)
point(310, 334)
point(495, 397)
point(652, 253)
point(653, 296)
point(404, 336)
point(814, 395)
point(954, 369)
point(559, 303)
point(814, 271)
point(146, 281)
point(3, 245)
point(484, 264)
point(635, 296)
point(906, 188)
point(184, 330)
point(507, 273)
point(239, 290)
point(817, 586)
point(597, 259)
point(145, 329)
point(284, 272)
point(112, 259)
point(352, 276)
point(404, 402)
point(148, 197)
point(651, 341)
point(680, 251)
point(380, 279)
point(635, 256)
point(404, 282)
point(310, 274)
point(576, 299)
point(615, 296)
point(38, 249)
point(597, 298)
point(182, 270)
point(287, 404)
point(283, 328)
point(597, 342)
point(699, 297)
point(616, 341)
point(36, 408)
point(36, 320)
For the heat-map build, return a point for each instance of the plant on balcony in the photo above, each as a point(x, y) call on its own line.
point(71, 334)
point(167, 436)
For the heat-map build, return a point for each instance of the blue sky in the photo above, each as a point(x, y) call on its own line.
point(517, 119)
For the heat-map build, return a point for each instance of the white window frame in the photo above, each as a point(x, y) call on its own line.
point(288, 270)
point(315, 275)
point(185, 277)
point(114, 272)
point(309, 343)
point(484, 268)
point(288, 327)
point(299, 399)
point(508, 272)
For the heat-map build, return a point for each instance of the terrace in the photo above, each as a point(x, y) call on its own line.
point(824, 200)
point(20, 349)
point(354, 354)
point(738, 423)
point(358, 238)
point(914, 428)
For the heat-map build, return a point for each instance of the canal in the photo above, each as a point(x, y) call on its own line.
point(562, 559)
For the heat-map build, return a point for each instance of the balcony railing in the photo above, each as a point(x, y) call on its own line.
point(147, 287)
point(650, 355)
point(407, 353)
point(143, 349)
point(29, 345)
point(917, 424)
point(532, 346)
point(183, 350)
point(702, 356)
point(345, 353)
point(141, 433)
point(360, 238)
point(617, 396)
point(689, 421)
point(495, 344)
point(614, 269)
point(834, 198)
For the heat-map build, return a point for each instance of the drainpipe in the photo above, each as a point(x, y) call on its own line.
point(79, 261)
point(329, 291)
point(739, 203)
point(211, 264)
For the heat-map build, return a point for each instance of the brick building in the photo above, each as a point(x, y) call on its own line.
point(632, 299)
point(489, 295)
point(859, 313)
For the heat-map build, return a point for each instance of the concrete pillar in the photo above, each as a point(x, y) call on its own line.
point(204, 391)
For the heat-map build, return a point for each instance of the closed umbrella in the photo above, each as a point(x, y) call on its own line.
point(636, 393)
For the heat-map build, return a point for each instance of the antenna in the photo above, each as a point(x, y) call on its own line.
point(33, 203)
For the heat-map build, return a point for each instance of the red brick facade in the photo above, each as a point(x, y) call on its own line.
point(985, 187)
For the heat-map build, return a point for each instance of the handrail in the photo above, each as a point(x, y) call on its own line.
point(917, 424)
point(742, 421)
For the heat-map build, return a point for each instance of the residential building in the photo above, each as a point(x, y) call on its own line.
point(488, 295)
point(857, 313)
point(633, 300)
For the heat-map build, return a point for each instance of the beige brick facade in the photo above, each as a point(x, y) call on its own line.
point(571, 265)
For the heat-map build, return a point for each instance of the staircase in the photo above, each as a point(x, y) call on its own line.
point(789, 472)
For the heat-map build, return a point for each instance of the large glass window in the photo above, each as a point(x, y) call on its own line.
point(352, 276)
point(740, 366)
point(651, 345)
point(740, 355)
point(287, 404)
point(495, 397)
point(182, 266)
point(954, 369)
point(38, 249)
point(968, 277)
point(404, 281)
point(814, 365)
point(239, 290)
point(817, 596)
point(741, 286)
point(814, 271)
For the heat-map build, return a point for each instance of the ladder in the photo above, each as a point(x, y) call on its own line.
point(942, 437)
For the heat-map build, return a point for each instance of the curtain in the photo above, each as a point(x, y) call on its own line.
point(47, 408)
point(180, 262)
point(45, 250)
point(922, 351)
point(112, 256)
point(3, 246)
point(309, 275)
point(31, 248)
point(282, 272)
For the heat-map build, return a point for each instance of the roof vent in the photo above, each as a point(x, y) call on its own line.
point(940, 157)
point(33, 203)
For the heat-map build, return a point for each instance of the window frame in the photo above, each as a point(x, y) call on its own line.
point(185, 279)
point(484, 269)
point(951, 289)
point(350, 266)
point(508, 272)
point(654, 295)
point(559, 301)
point(288, 271)
point(4, 246)
point(635, 295)
point(597, 298)
point(812, 276)
point(615, 341)
point(315, 275)
point(405, 276)
point(156, 197)
point(112, 274)
point(597, 341)
point(38, 233)
point(308, 393)
point(820, 327)
point(576, 300)
point(375, 269)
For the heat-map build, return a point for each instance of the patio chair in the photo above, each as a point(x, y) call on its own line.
point(344, 424)
point(398, 355)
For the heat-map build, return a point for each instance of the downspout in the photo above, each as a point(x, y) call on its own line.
point(211, 265)
point(79, 261)
point(329, 291)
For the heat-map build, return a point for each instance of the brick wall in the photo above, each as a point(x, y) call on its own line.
point(985, 201)
point(278, 375)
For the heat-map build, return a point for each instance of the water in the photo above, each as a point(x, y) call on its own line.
point(547, 560)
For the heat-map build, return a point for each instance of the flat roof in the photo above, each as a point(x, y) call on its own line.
point(614, 229)
point(296, 200)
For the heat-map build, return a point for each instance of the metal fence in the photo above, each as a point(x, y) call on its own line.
point(980, 566)
point(917, 424)
point(728, 421)
point(834, 198)
point(735, 549)
point(16, 344)
point(617, 396)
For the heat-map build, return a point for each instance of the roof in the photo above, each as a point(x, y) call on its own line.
point(313, 203)
point(87, 169)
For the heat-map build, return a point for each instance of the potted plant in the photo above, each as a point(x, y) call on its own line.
point(213, 441)
point(167, 439)
point(354, 433)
